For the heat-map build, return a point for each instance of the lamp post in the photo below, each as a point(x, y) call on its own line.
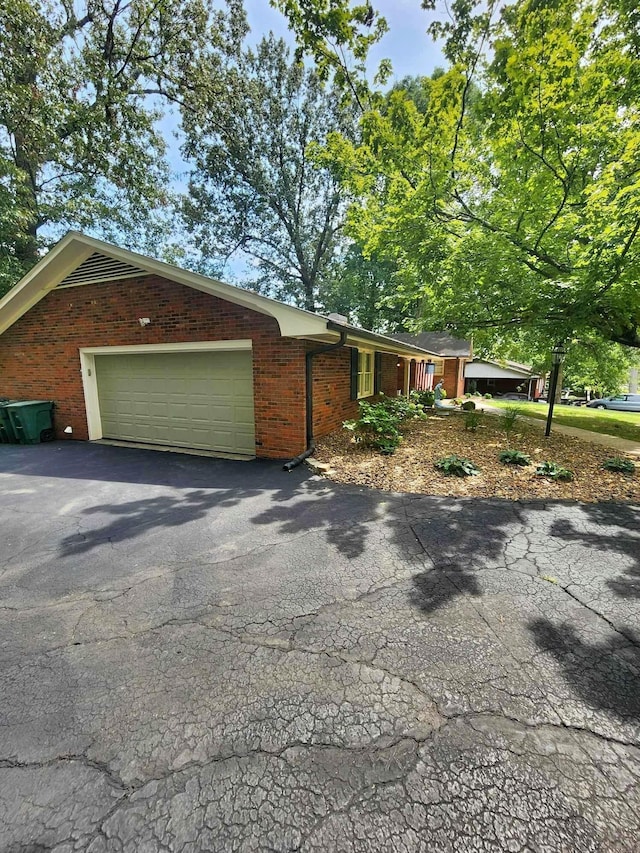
point(557, 357)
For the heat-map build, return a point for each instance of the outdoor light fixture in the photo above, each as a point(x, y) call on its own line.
point(557, 357)
point(144, 321)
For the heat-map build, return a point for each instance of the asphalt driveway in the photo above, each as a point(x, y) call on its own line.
point(208, 655)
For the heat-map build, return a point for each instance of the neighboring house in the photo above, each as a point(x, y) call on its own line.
point(451, 356)
point(502, 377)
point(132, 349)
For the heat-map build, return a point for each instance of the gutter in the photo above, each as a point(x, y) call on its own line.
point(311, 444)
point(392, 344)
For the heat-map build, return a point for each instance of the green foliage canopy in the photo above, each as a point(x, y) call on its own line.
point(511, 198)
point(81, 88)
point(255, 188)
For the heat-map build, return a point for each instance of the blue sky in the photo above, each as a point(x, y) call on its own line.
point(407, 44)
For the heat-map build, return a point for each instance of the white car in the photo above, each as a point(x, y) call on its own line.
point(619, 402)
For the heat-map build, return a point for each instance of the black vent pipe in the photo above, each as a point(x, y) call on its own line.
point(311, 444)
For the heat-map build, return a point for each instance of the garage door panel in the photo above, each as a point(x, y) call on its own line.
point(202, 400)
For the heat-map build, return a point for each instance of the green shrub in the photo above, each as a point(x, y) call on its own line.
point(509, 417)
point(468, 406)
point(617, 463)
point(379, 423)
point(472, 420)
point(554, 471)
point(514, 457)
point(402, 408)
point(456, 466)
point(488, 396)
point(425, 398)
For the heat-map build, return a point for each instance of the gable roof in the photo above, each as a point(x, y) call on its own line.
point(78, 259)
point(439, 342)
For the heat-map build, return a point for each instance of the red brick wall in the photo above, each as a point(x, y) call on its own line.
point(332, 403)
point(454, 377)
point(39, 354)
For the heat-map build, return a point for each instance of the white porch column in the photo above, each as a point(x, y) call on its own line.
point(407, 375)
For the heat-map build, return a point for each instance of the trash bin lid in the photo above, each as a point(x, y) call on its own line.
point(17, 404)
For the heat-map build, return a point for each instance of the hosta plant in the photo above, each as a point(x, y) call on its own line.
point(554, 471)
point(617, 463)
point(514, 457)
point(456, 466)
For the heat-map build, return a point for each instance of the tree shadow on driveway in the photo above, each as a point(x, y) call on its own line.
point(459, 537)
point(464, 538)
point(626, 541)
point(597, 673)
point(605, 674)
point(136, 518)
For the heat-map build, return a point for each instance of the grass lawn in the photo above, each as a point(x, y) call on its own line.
point(621, 424)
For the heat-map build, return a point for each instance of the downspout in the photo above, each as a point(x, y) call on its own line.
point(311, 444)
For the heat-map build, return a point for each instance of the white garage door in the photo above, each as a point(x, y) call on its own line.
point(201, 399)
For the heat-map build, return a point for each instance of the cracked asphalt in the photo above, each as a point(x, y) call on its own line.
point(199, 654)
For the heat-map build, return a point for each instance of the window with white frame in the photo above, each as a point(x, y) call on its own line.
point(365, 373)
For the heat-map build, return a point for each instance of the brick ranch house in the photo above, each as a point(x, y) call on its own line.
point(453, 355)
point(132, 349)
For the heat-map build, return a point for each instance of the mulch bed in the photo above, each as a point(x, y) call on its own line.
point(411, 468)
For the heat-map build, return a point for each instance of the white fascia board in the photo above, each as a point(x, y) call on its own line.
point(389, 346)
point(292, 321)
point(43, 277)
point(377, 344)
point(486, 370)
point(75, 248)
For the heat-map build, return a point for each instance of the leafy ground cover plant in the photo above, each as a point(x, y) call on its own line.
point(468, 406)
point(617, 463)
point(377, 427)
point(488, 396)
point(554, 471)
point(456, 466)
point(514, 457)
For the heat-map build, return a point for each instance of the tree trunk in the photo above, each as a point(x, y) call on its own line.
point(309, 296)
point(26, 244)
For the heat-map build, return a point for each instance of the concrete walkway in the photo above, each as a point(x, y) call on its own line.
point(621, 445)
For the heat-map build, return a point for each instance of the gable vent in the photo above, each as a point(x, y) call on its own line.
point(100, 268)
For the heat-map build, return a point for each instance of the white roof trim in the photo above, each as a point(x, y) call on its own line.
point(484, 368)
point(74, 249)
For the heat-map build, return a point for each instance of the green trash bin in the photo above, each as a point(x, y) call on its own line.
point(32, 420)
point(7, 435)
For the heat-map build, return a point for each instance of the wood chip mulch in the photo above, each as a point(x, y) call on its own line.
point(411, 468)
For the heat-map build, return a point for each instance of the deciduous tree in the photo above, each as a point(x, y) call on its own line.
point(519, 208)
point(256, 191)
point(82, 85)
